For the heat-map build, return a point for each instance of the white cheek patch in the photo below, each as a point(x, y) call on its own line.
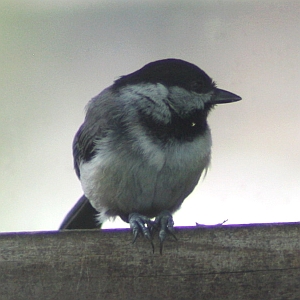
point(148, 98)
point(184, 101)
point(149, 90)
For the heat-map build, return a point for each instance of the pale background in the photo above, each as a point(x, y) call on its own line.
point(56, 55)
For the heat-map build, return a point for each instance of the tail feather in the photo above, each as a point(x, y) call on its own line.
point(81, 216)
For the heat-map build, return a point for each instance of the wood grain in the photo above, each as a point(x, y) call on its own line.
point(258, 261)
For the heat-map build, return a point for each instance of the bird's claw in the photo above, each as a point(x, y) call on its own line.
point(164, 221)
point(138, 224)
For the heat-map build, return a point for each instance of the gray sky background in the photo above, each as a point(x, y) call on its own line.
point(56, 55)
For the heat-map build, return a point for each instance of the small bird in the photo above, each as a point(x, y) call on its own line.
point(143, 146)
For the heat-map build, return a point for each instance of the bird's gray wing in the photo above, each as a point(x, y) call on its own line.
point(94, 128)
point(102, 114)
point(83, 147)
point(83, 214)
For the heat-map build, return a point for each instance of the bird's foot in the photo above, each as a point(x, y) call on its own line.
point(139, 223)
point(165, 224)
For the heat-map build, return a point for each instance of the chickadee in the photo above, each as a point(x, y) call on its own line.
point(143, 146)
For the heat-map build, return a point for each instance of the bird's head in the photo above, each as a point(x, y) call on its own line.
point(173, 93)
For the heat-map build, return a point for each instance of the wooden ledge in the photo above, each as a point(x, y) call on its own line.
point(256, 261)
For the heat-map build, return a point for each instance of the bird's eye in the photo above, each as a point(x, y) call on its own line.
point(197, 85)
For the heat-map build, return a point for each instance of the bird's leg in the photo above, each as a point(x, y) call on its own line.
point(138, 224)
point(164, 221)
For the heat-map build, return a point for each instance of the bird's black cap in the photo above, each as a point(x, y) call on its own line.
point(170, 72)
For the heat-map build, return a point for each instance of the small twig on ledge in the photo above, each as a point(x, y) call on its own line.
point(203, 225)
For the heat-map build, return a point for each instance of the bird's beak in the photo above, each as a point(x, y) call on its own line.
point(222, 96)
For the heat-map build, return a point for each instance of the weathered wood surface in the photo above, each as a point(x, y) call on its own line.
point(228, 262)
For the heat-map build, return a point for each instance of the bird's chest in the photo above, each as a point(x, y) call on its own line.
point(165, 176)
point(177, 155)
point(145, 176)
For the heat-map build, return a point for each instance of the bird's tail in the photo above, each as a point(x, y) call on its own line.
point(81, 216)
